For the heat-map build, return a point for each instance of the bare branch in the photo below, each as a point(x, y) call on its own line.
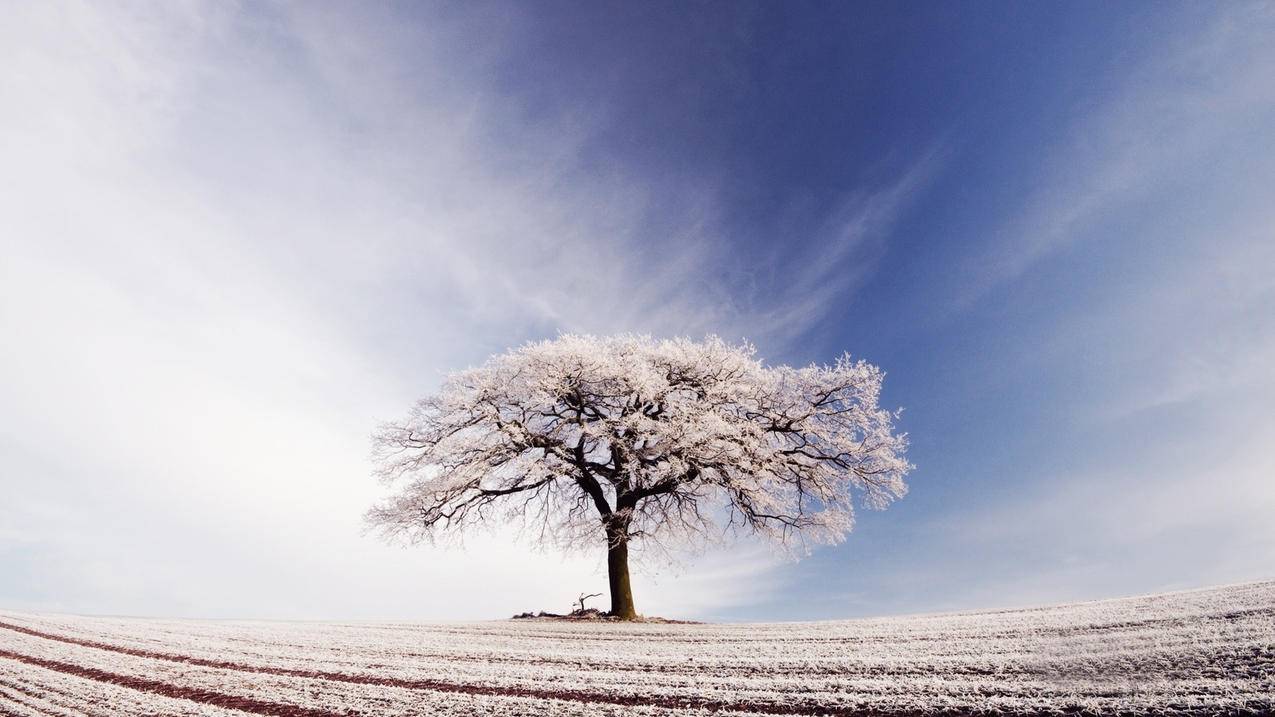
point(675, 440)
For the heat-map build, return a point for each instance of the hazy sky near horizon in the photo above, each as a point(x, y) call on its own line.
point(234, 237)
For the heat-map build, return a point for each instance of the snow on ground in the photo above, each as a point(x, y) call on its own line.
point(1199, 652)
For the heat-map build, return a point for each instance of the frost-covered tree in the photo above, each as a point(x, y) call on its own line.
point(627, 440)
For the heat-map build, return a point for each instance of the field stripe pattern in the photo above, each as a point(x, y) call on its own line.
point(1185, 653)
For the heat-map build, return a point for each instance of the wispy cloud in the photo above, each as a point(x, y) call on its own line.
point(235, 239)
point(1171, 112)
point(1146, 367)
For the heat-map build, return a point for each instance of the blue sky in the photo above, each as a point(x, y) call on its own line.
point(235, 238)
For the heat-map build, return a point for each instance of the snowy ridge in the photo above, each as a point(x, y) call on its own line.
point(1207, 651)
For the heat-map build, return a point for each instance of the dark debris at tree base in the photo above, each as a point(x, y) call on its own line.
point(595, 615)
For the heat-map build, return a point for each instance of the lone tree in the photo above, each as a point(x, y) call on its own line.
point(624, 440)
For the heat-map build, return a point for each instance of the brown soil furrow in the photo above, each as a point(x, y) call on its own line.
point(142, 684)
point(624, 700)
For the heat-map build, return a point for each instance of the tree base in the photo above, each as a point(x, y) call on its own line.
point(594, 615)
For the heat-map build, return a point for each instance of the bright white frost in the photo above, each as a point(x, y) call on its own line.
point(1191, 653)
point(656, 439)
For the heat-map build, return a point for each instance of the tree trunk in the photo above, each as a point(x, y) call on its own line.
point(618, 572)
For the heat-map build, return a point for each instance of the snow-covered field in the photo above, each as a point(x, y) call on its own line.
point(1201, 652)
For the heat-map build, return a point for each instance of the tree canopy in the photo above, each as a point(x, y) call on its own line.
point(585, 440)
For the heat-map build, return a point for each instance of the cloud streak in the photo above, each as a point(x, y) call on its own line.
point(235, 241)
point(1170, 114)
